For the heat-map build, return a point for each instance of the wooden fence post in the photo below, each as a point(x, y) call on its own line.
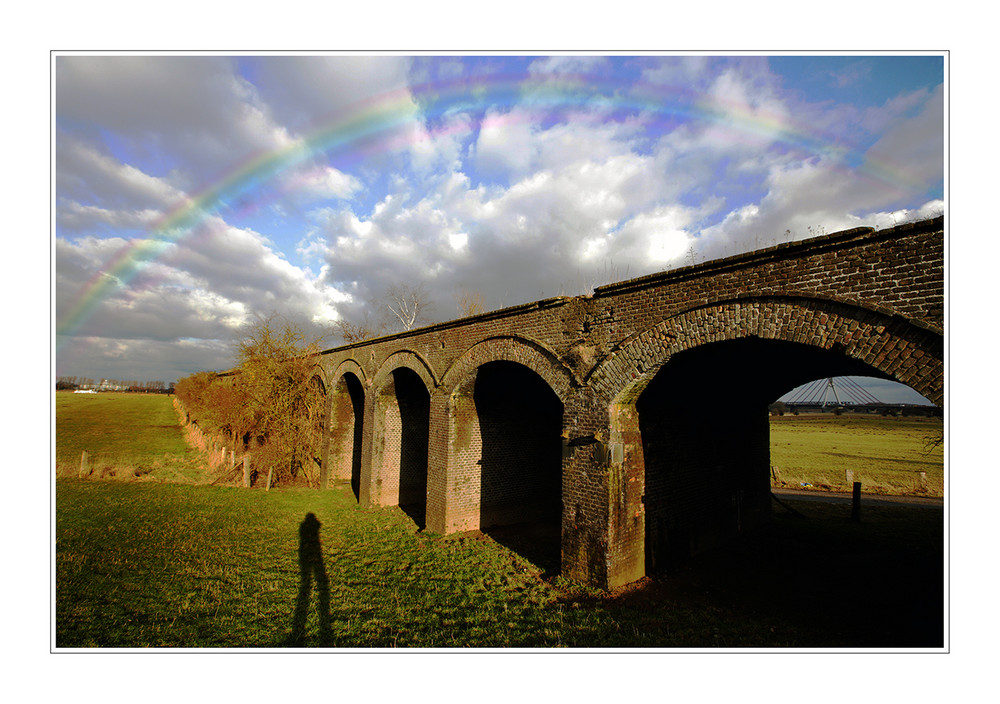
point(246, 471)
point(84, 465)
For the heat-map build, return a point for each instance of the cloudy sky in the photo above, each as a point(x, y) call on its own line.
point(193, 193)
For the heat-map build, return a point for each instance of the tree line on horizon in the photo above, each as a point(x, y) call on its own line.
point(72, 383)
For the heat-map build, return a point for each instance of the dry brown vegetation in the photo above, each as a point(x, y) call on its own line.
point(269, 408)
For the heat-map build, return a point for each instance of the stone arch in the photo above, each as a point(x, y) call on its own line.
point(685, 476)
point(510, 348)
point(320, 414)
point(400, 430)
point(319, 377)
point(349, 366)
point(505, 403)
point(410, 360)
point(900, 349)
point(346, 400)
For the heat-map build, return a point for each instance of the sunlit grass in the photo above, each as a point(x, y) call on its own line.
point(158, 565)
point(125, 436)
point(887, 455)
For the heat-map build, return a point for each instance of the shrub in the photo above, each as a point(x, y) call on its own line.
point(270, 405)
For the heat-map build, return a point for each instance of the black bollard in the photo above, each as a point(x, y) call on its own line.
point(856, 503)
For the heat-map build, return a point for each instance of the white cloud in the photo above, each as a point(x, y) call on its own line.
point(563, 64)
point(320, 183)
point(311, 93)
point(910, 155)
point(80, 218)
point(189, 113)
point(664, 231)
point(506, 146)
point(144, 359)
point(747, 114)
point(440, 150)
point(204, 287)
point(883, 220)
point(878, 119)
point(681, 71)
point(851, 74)
point(458, 241)
point(550, 232)
point(801, 197)
point(645, 243)
point(511, 145)
point(85, 173)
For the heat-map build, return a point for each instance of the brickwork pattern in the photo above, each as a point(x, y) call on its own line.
point(464, 453)
point(909, 353)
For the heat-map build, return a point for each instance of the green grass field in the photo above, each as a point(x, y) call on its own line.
point(142, 564)
point(125, 435)
point(887, 455)
point(169, 564)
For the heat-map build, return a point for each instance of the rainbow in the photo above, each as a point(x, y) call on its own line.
point(380, 125)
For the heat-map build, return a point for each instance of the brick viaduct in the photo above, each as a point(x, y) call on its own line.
point(630, 423)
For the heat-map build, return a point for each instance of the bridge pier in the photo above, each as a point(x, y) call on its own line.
point(627, 493)
point(367, 493)
point(462, 455)
point(400, 432)
point(437, 470)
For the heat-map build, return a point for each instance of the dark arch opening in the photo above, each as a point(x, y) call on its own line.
point(347, 414)
point(520, 423)
point(404, 453)
point(705, 437)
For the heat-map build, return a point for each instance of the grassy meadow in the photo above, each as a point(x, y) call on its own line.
point(142, 564)
point(126, 436)
point(166, 564)
point(887, 455)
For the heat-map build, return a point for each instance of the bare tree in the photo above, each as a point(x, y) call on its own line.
point(357, 332)
point(470, 302)
point(406, 306)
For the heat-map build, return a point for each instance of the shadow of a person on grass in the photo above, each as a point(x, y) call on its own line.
point(311, 567)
